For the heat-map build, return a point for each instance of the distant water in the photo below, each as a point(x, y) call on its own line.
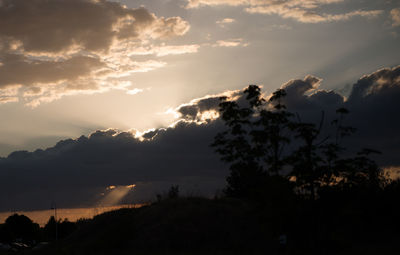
point(72, 214)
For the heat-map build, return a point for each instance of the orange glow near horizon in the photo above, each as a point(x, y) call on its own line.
point(393, 172)
point(72, 214)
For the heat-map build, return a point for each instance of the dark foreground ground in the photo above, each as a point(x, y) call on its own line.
point(232, 226)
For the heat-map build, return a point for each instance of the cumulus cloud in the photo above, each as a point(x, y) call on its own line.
point(9, 95)
point(231, 43)
point(305, 11)
point(134, 91)
point(76, 172)
point(199, 3)
point(40, 26)
point(18, 70)
point(306, 16)
point(223, 22)
point(165, 50)
point(281, 27)
point(395, 16)
point(53, 47)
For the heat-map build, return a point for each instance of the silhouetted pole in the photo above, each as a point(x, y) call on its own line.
point(55, 217)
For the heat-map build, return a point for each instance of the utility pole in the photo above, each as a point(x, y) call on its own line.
point(56, 220)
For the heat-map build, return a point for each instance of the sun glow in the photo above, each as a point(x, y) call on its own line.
point(114, 194)
point(209, 115)
point(72, 214)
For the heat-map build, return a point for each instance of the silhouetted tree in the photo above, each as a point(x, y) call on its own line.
point(319, 161)
point(258, 131)
point(254, 142)
point(19, 226)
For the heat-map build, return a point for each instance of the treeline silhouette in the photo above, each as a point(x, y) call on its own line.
point(293, 188)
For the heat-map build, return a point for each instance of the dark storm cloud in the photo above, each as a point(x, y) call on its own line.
point(76, 172)
point(194, 110)
point(198, 108)
point(374, 102)
point(296, 90)
point(381, 83)
point(373, 105)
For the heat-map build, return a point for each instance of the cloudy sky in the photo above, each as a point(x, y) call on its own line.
point(120, 72)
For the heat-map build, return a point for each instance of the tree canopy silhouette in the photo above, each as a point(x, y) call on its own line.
point(18, 226)
point(254, 141)
point(264, 141)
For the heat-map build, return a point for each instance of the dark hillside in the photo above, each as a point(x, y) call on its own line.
point(232, 226)
point(179, 225)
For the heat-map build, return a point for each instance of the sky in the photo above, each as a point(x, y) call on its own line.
point(94, 78)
